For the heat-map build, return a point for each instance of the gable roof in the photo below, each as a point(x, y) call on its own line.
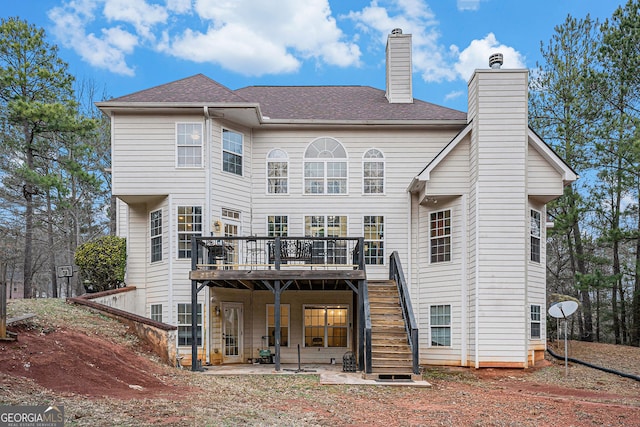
point(290, 103)
point(194, 89)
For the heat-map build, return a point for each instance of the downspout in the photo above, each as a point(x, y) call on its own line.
point(477, 279)
point(464, 282)
point(207, 167)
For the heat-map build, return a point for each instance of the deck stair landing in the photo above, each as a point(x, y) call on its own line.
point(391, 358)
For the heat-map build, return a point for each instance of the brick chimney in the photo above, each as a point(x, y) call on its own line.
point(399, 83)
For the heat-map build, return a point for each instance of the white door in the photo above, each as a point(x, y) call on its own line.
point(232, 327)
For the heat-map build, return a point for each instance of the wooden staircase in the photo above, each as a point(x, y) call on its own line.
point(391, 357)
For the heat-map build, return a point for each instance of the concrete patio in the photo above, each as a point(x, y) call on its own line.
point(328, 374)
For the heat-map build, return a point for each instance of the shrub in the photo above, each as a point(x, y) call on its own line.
point(102, 262)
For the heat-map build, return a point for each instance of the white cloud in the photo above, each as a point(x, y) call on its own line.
point(230, 48)
point(251, 37)
point(468, 4)
point(105, 51)
point(138, 13)
point(413, 17)
point(454, 95)
point(476, 55)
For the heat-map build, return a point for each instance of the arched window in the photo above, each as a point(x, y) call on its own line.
point(373, 172)
point(277, 172)
point(325, 167)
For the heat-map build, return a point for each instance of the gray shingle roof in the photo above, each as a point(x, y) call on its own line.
point(295, 102)
point(198, 88)
point(340, 103)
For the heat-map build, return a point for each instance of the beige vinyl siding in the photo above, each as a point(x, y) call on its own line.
point(157, 280)
point(406, 153)
point(441, 283)
point(144, 157)
point(399, 68)
point(542, 178)
point(501, 127)
point(451, 176)
point(229, 190)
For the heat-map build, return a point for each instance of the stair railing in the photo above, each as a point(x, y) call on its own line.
point(396, 273)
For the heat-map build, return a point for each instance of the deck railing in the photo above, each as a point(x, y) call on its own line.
point(411, 326)
point(279, 253)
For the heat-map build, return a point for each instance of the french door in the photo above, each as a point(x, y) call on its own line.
point(232, 332)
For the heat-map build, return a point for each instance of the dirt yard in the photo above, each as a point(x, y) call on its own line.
point(101, 375)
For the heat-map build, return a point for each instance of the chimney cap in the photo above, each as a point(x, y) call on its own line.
point(495, 61)
point(396, 31)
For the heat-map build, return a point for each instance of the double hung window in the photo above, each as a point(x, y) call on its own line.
point(374, 240)
point(188, 145)
point(535, 232)
point(184, 324)
point(440, 236)
point(232, 148)
point(440, 325)
point(189, 225)
point(155, 231)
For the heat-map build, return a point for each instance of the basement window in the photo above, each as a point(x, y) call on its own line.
point(326, 326)
point(536, 329)
point(440, 325)
point(184, 324)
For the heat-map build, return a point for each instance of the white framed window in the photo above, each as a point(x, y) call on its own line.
point(189, 224)
point(328, 251)
point(536, 233)
point(440, 236)
point(373, 172)
point(277, 226)
point(232, 148)
point(156, 312)
point(326, 326)
point(373, 240)
point(189, 145)
point(284, 324)
point(325, 167)
point(184, 324)
point(277, 172)
point(535, 322)
point(155, 232)
point(440, 325)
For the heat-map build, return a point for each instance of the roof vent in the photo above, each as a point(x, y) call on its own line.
point(396, 31)
point(495, 61)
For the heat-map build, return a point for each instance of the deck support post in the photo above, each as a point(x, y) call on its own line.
point(276, 313)
point(361, 325)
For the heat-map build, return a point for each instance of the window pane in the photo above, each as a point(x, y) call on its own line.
point(231, 152)
point(440, 234)
point(189, 224)
point(189, 144)
point(184, 324)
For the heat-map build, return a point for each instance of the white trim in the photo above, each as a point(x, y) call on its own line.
point(451, 231)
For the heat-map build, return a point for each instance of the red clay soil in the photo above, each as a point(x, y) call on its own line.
point(71, 362)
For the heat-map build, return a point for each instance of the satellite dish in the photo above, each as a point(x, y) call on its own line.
point(564, 309)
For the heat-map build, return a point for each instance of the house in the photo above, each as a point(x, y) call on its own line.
point(334, 223)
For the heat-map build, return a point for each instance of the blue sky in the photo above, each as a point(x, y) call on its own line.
point(128, 45)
